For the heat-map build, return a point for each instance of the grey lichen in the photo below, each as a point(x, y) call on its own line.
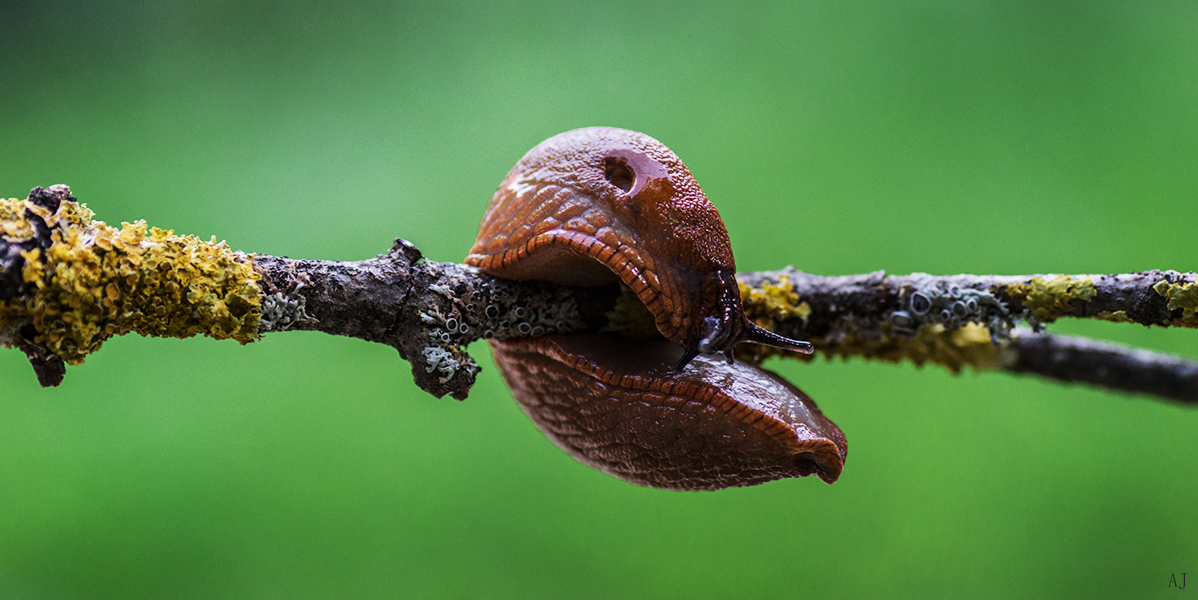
point(444, 361)
point(281, 312)
point(462, 308)
point(932, 301)
point(495, 309)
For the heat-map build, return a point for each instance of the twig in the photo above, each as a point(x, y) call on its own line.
point(1113, 366)
point(970, 320)
point(428, 311)
point(67, 283)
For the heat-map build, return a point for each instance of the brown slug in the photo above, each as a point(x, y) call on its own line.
point(598, 205)
point(622, 408)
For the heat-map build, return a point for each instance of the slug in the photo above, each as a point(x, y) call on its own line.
point(599, 205)
point(622, 408)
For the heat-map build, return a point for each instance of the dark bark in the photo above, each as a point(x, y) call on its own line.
point(1112, 366)
point(428, 311)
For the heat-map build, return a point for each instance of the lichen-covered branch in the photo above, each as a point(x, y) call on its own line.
point(427, 310)
point(970, 320)
point(907, 302)
point(67, 283)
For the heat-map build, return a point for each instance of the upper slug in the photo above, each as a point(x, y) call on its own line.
point(596, 205)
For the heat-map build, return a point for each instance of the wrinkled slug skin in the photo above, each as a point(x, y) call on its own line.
point(563, 215)
point(622, 408)
point(599, 205)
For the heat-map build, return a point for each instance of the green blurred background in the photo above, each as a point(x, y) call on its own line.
point(946, 137)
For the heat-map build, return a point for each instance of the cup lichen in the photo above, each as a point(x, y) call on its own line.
point(95, 281)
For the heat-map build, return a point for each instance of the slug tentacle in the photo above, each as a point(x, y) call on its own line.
point(765, 337)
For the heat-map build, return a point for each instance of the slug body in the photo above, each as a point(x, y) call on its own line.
point(597, 205)
point(600, 205)
point(622, 408)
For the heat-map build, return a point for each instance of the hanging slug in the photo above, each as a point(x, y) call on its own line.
point(622, 408)
point(597, 205)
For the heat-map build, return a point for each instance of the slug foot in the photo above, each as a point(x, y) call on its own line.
point(621, 407)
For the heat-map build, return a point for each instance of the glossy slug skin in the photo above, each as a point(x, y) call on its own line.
point(597, 205)
point(624, 409)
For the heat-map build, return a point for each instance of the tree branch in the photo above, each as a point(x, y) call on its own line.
point(970, 320)
point(428, 311)
point(1113, 366)
point(67, 283)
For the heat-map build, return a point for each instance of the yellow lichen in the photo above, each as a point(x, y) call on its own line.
point(1049, 300)
point(1181, 296)
point(773, 301)
point(764, 307)
point(969, 346)
point(31, 272)
point(1118, 316)
point(631, 318)
point(13, 226)
point(96, 281)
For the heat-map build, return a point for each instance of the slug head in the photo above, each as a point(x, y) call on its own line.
point(594, 205)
